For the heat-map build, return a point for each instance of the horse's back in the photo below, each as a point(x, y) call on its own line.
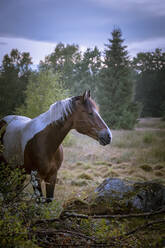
point(15, 118)
point(12, 137)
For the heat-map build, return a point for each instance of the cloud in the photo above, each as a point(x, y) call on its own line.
point(38, 50)
point(146, 46)
point(153, 7)
point(2, 43)
point(75, 21)
point(83, 22)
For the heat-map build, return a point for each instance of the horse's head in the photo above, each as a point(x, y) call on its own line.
point(86, 120)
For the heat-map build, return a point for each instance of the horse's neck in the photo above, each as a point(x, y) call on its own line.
point(63, 129)
point(55, 133)
point(50, 127)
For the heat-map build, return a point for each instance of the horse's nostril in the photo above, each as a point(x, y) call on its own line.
point(105, 137)
point(108, 138)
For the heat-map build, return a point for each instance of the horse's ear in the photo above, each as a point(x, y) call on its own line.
point(86, 95)
point(89, 93)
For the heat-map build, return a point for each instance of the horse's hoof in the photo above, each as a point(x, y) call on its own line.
point(48, 200)
point(40, 200)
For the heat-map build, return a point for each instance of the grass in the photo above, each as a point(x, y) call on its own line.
point(150, 123)
point(138, 155)
point(134, 155)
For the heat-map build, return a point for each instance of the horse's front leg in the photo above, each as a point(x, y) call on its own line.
point(36, 183)
point(50, 186)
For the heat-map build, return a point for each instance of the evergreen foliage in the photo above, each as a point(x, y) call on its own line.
point(115, 92)
point(14, 74)
point(86, 72)
point(150, 83)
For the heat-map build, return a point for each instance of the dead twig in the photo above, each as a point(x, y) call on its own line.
point(83, 216)
point(55, 232)
point(45, 221)
point(117, 216)
point(139, 228)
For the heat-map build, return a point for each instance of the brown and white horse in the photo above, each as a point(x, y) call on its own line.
point(35, 144)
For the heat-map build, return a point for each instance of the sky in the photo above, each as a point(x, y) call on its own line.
point(37, 26)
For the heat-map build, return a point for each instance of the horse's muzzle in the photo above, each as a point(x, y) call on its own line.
point(105, 137)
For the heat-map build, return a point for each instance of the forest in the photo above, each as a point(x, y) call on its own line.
point(129, 88)
point(130, 94)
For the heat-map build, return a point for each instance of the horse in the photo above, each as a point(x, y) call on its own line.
point(35, 144)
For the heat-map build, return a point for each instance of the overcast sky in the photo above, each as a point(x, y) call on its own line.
point(36, 26)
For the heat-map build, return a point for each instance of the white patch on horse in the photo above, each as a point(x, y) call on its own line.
point(21, 129)
point(109, 131)
point(12, 138)
point(57, 111)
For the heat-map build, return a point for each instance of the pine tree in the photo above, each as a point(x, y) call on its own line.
point(14, 74)
point(150, 82)
point(115, 93)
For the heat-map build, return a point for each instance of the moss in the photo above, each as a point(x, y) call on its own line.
point(158, 167)
point(85, 176)
point(103, 163)
point(111, 174)
point(79, 183)
point(146, 167)
point(159, 174)
point(79, 163)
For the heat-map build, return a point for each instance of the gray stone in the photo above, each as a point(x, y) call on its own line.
point(115, 195)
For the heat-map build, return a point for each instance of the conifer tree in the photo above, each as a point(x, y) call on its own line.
point(115, 91)
point(14, 74)
point(150, 82)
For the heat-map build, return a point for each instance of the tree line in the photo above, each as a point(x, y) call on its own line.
point(123, 88)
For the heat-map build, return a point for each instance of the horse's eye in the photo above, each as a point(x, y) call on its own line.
point(90, 114)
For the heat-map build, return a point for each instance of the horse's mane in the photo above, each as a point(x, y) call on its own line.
point(61, 109)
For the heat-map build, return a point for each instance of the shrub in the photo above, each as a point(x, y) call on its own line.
point(148, 138)
point(18, 210)
point(13, 211)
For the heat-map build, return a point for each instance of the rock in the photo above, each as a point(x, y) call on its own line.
point(116, 196)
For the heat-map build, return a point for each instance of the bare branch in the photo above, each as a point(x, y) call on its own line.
point(117, 216)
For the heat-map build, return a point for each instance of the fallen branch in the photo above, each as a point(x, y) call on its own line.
point(55, 232)
point(139, 228)
point(82, 216)
point(44, 221)
point(65, 215)
point(116, 216)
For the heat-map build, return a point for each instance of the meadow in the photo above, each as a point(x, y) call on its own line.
point(137, 154)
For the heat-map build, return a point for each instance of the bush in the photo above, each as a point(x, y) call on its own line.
point(43, 90)
point(13, 211)
point(18, 209)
